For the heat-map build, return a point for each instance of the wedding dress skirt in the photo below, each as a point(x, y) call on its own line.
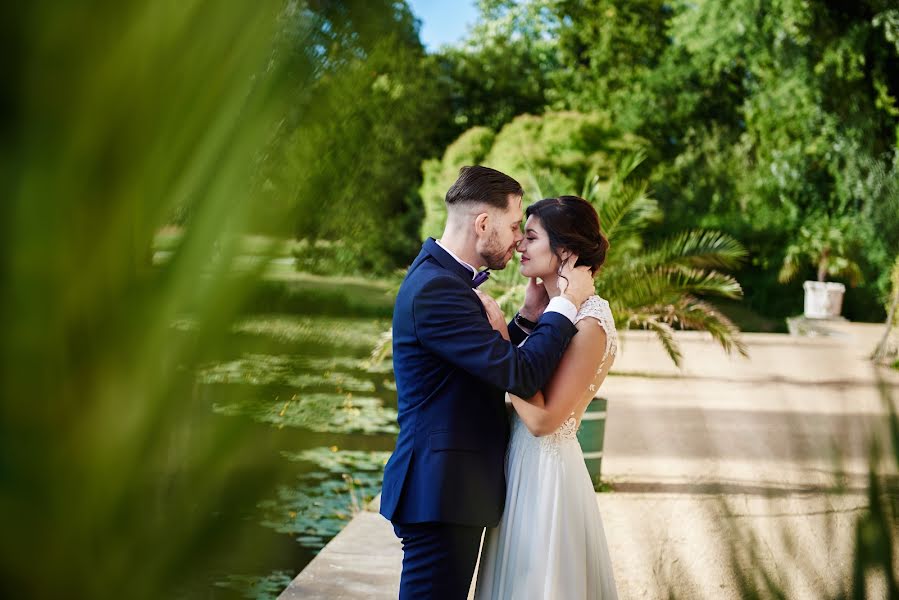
point(550, 543)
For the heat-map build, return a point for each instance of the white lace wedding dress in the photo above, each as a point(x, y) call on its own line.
point(550, 543)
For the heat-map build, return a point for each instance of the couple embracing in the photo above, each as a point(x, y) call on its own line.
point(461, 463)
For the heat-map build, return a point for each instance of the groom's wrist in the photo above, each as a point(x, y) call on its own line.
point(525, 323)
point(532, 316)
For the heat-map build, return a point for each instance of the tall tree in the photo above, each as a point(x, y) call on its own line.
point(504, 66)
point(362, 119)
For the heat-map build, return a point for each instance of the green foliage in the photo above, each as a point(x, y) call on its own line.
point(760, 117)
point(549, 151)
point(348, 169)
point(878, 227)
point(609, 47)
point(661, 286)
point(113, 465)
point(256, 587)
point(558, 147)
point(314, 511)
point(799, 126)
point(888, 348)
point(504, 66)
point(470, 148)
point(825, 244)
point(756, 117)
point(657, 287)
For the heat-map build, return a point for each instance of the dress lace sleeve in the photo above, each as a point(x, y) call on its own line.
point(599, 309)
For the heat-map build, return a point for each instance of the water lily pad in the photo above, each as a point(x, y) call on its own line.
point(255, 587)
point(319, 412)
point(267, 369)
point(341, 461)
point(316, 513)
point(362, 334)
point(344, 363)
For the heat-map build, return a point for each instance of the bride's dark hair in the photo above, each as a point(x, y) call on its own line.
point(572, 223)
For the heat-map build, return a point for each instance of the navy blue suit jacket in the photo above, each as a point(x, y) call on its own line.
point(452, 370)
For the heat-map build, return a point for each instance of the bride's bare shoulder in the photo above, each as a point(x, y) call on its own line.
point(587, 327)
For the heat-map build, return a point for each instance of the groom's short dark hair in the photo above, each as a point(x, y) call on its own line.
point(478, 184)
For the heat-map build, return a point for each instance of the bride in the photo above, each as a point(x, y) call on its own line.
point(550, 542)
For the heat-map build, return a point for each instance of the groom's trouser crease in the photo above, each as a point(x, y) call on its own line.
point(438, 559)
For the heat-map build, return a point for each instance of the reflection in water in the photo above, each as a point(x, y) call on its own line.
point(342, 484)
point(319, 412)
point(308, 380)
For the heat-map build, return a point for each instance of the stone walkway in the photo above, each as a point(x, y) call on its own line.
point(759, 439)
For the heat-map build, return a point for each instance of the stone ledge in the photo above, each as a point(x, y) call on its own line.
point(804, 326)
point(364, 560)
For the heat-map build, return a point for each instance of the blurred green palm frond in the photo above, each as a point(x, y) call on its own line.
point(116, 115)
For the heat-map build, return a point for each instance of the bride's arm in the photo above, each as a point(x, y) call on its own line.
point(544, 412)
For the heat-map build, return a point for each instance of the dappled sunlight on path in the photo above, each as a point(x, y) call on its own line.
point(764, 440)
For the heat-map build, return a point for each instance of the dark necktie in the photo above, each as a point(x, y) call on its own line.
point(480, 278)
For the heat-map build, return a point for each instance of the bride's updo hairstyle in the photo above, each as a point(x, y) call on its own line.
point(572, 224)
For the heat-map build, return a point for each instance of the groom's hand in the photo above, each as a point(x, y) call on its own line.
point(535, 300)
point(494, 314)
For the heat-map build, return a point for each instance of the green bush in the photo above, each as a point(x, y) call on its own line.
point(558, 147)
point(469, 149)
point(551, 151)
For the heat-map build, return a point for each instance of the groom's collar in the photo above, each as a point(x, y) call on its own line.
point(446, 260)
point(457, 259)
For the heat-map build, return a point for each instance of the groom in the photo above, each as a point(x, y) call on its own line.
point(445, 481)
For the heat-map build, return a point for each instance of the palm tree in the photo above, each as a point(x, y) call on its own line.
point(659, 287)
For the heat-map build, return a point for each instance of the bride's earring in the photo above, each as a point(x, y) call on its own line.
point(561, 264)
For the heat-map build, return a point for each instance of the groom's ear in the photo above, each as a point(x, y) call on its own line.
point(482, 223)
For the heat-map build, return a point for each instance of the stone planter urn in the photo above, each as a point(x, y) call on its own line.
point(823, 299)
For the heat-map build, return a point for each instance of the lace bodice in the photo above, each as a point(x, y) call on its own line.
point(567, 432)
point(599, 309)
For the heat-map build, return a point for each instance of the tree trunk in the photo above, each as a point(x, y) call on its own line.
point(822, 264)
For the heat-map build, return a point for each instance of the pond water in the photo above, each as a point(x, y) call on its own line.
point(329, 414)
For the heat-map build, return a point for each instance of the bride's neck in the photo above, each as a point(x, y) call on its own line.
point(551, 281)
